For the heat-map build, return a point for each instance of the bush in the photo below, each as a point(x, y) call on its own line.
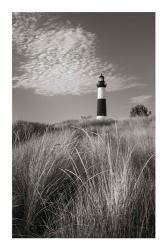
point(139, 110)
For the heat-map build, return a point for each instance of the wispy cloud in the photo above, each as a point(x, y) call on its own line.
point(59, 58)
point(140, 99)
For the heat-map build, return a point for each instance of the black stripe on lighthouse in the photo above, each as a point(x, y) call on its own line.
point(101, 107)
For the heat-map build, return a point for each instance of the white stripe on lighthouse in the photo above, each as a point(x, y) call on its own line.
point(100, 117)
point(101, 94)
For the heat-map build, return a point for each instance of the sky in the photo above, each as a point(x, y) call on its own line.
point(58, 57)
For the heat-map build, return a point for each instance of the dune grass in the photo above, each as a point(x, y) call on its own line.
point(86, 181)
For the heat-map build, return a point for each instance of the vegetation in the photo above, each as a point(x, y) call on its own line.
point(85, 180)
point(140, 110)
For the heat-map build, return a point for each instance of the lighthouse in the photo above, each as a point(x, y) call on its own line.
point(101, 99)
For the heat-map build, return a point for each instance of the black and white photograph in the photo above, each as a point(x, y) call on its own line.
point(83, 125)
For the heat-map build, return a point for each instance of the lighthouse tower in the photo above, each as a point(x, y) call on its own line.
point(101, 99)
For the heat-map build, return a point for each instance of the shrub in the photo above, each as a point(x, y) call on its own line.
point(139, 110)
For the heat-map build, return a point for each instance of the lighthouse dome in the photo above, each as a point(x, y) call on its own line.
point(101, 78)
point(101, 82)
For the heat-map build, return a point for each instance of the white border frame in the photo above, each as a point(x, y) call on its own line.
point(6, 121)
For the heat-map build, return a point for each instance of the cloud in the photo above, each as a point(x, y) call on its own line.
point(59, 58)
point(140, 99)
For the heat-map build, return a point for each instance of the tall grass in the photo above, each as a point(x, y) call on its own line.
point(86, 181)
